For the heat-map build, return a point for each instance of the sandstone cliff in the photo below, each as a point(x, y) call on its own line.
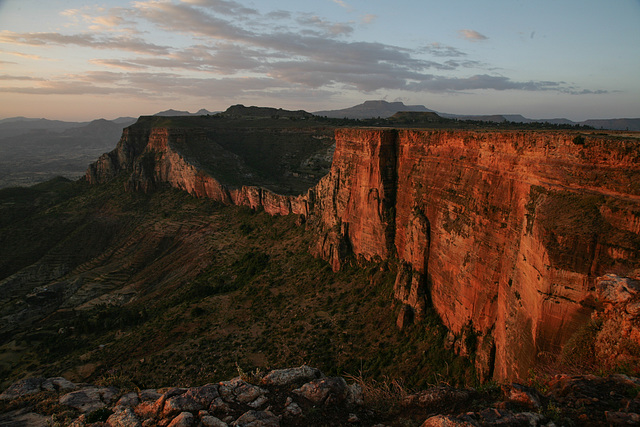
point(192, 160)
point(504, 233)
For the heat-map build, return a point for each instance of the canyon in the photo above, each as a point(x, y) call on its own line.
point(504, 233)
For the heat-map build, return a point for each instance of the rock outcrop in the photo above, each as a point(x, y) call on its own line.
point(303, 396)
point(504, 233)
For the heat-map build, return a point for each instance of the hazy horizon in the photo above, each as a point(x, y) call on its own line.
point(79, 60)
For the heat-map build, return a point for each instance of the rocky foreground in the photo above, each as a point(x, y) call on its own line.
point(305, 397)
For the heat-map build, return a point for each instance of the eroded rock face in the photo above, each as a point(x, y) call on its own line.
point(503, 232)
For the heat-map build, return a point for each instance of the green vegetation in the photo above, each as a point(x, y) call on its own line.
point(580, 352)
point(174, 290)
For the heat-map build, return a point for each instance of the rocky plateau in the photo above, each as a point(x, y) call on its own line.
point(518, 239)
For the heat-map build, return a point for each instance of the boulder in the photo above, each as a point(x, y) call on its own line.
point(285, 377)
point(211, 421)
point(23, 387)
point(181, 403)
point(123, 418)
point(89, 399)
point(257, 419)
point(203, 395)
point(184, 419)
point(446, 421)
point(326, 390)
point(238, 390)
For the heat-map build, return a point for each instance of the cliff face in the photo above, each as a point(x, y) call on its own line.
point(503, 232)
point(153, 157)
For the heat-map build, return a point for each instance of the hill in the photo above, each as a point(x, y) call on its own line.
point(384, 109)
point(165, 288)
point(371, 109)
point(36, 150)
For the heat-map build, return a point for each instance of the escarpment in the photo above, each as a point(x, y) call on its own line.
point(220, 164)
point(504, 233)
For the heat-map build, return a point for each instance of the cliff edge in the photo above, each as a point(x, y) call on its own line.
point(504, 233)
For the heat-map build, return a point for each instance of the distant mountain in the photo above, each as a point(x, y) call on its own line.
point(125, 120)
point(384, 109)
point(36, 150)
point(171, 113)
point(262, 112)
point(14, 126)
point(372, 109)
point(615, 124)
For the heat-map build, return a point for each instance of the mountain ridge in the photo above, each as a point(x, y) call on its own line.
point(384, 109)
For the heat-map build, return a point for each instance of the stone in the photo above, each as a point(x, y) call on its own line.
point(523, 395)
point(238, 390)
point(149, 395)
point(355, 395)
point(211, 421)
point(325, 390)
point(446, 421)
point(435, 397)
point(292, 409)
point(203, 395)
point(257, 419)
point(22, 387)
point(184, 419)
point(285, 377)
point(260, 400)
point(24, 417)
point(615, 289)
point(181, 403)
point(129, 400)
point(622, 418)
point(219, 406)
point(123, 418)
point(58, 384)
point(89, 399)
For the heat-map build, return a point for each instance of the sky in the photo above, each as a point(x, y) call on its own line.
point(82, 60)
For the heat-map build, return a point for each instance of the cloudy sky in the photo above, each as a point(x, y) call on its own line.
point(80, 60)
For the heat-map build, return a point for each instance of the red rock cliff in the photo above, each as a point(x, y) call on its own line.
point(505, 232)
point(153, 157)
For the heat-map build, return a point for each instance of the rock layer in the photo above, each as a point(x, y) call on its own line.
point(504, 232)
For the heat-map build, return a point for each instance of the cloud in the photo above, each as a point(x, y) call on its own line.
point(221, 48)
point(327, 28)
point(24, 55)
point(472, 35)
point(481, 82)
point(279, 14)
point(224, 7)
point(440, 50)
point(10, 77)
point(126, 43)
point(369, 18)
point(341, 4)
